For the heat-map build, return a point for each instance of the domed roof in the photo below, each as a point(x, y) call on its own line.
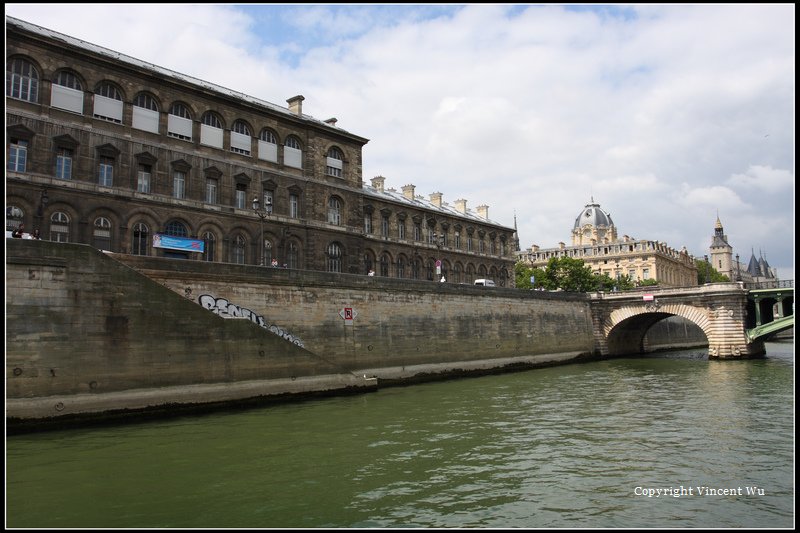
point(592, 214)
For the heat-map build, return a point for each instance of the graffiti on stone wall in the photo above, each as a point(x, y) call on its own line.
point(226, 309)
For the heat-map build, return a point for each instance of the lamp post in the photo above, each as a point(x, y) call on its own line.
point(738, 272)
point(438, 240)
point(708, 269)
point(43, 201)
point(262, 215)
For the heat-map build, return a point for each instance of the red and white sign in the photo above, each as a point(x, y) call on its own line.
point(647, 297)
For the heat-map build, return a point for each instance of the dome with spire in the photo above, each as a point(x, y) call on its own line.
point(593, 224)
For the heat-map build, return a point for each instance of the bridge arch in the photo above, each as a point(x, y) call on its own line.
point(625, 328)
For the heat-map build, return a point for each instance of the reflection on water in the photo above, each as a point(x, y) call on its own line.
point(571, 446)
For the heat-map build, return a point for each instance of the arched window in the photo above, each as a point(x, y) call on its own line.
point(334, 211)
point(209, 246)
point(334, 253)
point(14, 217)
point(240, 138)
point(267, 251)
point(211, 130)
point(268, 146)
point(102, 233)
point(292, 255)
point(179, 122)
point(59, 227)
point(145, 113)
point(176, 229)
point(108, 103)
point(22, 80)
point(384, 265)
point(292, 153)
point(140, 244)
point(238, 254)
point(335, 163)
point(401, 267)
point(66, 92)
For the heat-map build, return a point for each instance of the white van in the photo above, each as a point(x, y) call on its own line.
point(485, 282)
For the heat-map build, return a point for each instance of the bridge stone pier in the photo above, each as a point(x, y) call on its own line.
point(621, 320)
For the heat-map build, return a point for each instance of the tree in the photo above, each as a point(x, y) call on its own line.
point(707, 273)
point(523, 273)
point(568, 274)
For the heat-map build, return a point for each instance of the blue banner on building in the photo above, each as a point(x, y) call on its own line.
point(178, 243)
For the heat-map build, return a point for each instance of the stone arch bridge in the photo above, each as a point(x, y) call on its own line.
point(729, 314)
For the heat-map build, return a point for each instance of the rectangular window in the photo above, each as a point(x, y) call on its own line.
point(106, 172)
point(143, 178)
point(179, 184)
point(417, 232)
point(64, 164)
point(645, 273)
point(457, 243)
point(241, 196)
point(294, 206)
point(367, 223)
point(334, 167)
point(401, 230)
point(240, 143)
point(384, 226)
point(211, 191)
point(18, 155)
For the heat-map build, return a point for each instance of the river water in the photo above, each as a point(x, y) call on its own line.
point(576, 446)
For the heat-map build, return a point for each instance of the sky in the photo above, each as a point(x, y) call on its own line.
point(667, 116)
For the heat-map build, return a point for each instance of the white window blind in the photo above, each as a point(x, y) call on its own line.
point(66, 98)
point(179, 126)
point(240, 141)
point(292, 157)
point(108, 108)
point(210, 136)
point(146, 119)
point(267, 151)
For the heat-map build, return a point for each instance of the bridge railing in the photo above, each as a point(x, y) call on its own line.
point(776, 284)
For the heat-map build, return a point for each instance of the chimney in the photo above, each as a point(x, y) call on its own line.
point(377, 182)
point(408, 192)
point(483, 211)
point(534, 248)
point(296, 104)
point(461, 206)
point(561, 245)
point(331, 121)
point(436, 199)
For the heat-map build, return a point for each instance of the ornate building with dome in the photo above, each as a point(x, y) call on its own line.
point(595, 242)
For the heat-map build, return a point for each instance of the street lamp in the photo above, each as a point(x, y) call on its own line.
point(708, 269)
point(738, 273)
point(438, 240)
point(262, 215)
point(43, 201)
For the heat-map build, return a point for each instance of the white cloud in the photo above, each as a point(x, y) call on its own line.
point(666, 114)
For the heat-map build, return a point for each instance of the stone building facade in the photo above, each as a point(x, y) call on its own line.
point(595, 242)
point(107, 150)
point(722, 259)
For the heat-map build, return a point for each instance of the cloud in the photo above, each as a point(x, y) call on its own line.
point(665, 114)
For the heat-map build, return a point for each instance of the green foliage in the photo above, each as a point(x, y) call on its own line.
point(707, 273)
point(647, 283)
point(569, 274)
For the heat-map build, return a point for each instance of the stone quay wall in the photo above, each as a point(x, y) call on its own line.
point(90, 333)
